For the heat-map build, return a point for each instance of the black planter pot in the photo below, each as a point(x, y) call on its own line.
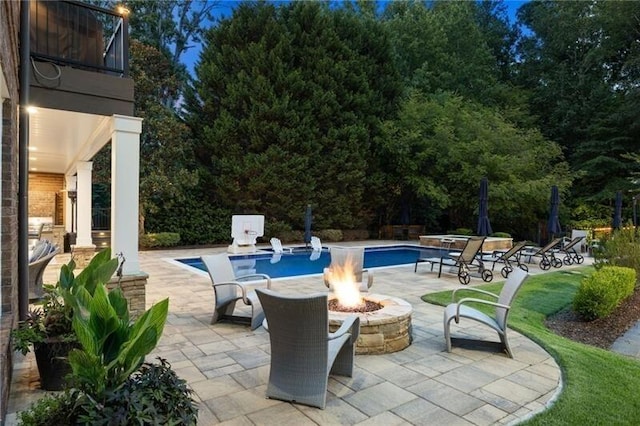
point(53, 365)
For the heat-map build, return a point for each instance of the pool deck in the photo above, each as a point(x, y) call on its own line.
point(227, 365)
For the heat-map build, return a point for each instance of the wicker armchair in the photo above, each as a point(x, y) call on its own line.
point(303, 352)
point(228, 289)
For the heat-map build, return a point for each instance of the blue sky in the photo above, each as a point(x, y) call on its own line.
point(226, 7)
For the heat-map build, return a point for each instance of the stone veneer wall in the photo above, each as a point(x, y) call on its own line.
point(46, 196)
point(133, 287)
point(9, 34)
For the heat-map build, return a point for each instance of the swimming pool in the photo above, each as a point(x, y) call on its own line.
point(308, 263)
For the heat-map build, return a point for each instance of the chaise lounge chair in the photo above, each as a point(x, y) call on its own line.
point(316, 245)
point(341, 256)
point(545, 253)
point(571, 255)
point(465, 261)
point(303, 352)
point(459, 309)
point(508, 258)
point(228, 289)
point(276, 246)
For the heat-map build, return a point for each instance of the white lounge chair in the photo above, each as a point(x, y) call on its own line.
point(342, 255)
point(276, 246)
point(303, 352)
point(228, 289)
point(316, 244)
point(459, 309)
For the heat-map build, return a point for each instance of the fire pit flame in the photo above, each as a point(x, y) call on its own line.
point(346, 289)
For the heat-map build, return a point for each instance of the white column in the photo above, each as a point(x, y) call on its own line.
point(125, 177)
point(70, 185)
point(83, 204)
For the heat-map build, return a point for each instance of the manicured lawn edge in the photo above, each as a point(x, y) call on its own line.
point(600, 387)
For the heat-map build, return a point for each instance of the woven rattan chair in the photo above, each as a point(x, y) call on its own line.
point(459, 309)
point(43, 252)
point(303, 352)
point(228, 289)
point(340, 256)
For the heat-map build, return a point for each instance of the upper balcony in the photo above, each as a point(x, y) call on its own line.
point(79, 58)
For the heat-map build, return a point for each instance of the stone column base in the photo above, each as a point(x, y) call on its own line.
point(82, 255)
point(133, 287)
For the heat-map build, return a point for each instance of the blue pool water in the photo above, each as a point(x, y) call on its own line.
point(305, 262)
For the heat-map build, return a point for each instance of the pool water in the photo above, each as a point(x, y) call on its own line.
point(308, 263)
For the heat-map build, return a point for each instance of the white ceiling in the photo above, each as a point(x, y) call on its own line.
point(58, 139)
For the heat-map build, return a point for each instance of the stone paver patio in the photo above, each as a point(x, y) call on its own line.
point(227, 365)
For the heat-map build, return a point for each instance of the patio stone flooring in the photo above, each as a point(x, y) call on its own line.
point(227, 365)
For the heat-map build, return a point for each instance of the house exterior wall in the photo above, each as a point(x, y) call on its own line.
point(9, 69)
point(46, 198)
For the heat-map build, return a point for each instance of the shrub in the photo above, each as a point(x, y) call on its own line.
point(603, 291)
point(461, 231)
point(154, 395)
point(621, 248)
point(276, 229)
point(501, 235)
point(161, 239)
point(355, 234)
point(332, 235)
point(52, 409)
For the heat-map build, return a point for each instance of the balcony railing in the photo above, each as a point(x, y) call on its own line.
point(79, 35)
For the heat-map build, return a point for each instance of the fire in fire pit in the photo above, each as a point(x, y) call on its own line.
point(385, 321)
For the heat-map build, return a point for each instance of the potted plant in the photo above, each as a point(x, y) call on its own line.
point(49, 327)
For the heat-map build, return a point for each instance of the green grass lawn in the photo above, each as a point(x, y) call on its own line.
point(600, 387)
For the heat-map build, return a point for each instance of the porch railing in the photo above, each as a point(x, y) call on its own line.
point(101, 219)
point(79, 35)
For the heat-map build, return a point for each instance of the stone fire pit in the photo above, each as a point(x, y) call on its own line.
point(383, 331)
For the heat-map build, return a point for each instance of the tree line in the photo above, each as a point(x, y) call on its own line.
point(384, 114)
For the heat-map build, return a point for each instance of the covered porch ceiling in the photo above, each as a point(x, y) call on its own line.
point(59, 139)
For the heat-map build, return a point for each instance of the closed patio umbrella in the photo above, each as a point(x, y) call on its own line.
point(553, 226)
point(307, 225)
point(484, 226)
point(617, 215)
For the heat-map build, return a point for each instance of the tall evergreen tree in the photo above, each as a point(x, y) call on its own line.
point(284, 104)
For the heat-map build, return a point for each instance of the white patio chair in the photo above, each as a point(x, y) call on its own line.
point(228, 289)
point(276, 246)
point(316, 244)
point(303, 352)
point(459, 309)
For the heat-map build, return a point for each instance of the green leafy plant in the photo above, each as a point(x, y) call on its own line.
point(112, 347)
point(153, 395)
point(52, 319)
point(601, 292)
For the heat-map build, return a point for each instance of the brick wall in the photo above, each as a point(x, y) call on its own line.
point(46, 198)
point(9, 33)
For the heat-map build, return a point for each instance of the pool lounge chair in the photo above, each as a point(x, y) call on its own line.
point(303, 352)
point(498, 322)
point(546, 254)
point(342, 255)
point(465, 261)
point(508, 257)
point(316, 245)
point(571, 255)
point(228, 289)
point(276, 246)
